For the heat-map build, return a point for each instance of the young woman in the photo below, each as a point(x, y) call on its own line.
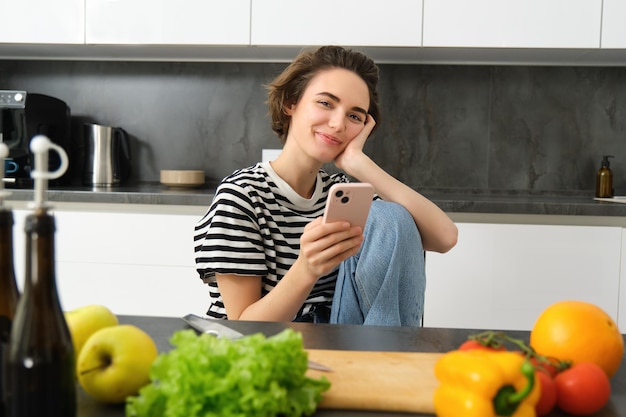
point(262, 246)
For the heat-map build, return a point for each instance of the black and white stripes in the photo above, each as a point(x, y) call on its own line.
point(253, 227)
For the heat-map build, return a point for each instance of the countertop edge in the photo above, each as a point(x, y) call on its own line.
point(468, 205)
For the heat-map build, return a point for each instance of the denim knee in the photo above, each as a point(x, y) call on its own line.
point(384, 283)
point(391, 219)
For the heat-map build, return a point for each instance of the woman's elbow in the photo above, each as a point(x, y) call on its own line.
point(448, 239)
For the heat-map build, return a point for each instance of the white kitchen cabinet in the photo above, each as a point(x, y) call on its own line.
point(134, 263)
point(613, 24)
point(502, 276)
point(42, 22)
point(168, 22)
point(512, 23)
point(347, 22)
point(621, 318)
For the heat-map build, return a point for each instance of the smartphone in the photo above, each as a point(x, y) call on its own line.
point(349, 202)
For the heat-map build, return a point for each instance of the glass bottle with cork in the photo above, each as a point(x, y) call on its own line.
point(40, 364)
point(9, 293)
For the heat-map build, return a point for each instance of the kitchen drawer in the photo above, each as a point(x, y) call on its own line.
point(116, 238)
point(134, 263)
point(168, 22)
point(42, 22)
point(346, 22)
point(512, 23)
point(146, 290)
point(613, 27)
point(502, 276)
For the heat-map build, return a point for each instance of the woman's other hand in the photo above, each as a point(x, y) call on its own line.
point(353, 153)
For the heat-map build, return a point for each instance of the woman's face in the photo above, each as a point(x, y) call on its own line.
point(330, 113)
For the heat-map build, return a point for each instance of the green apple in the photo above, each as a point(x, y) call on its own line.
point(115, 363)
point(85, 321)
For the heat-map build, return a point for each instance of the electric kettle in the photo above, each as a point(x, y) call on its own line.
point(107, 155)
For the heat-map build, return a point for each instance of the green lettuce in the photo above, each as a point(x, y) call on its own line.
point(210, 377)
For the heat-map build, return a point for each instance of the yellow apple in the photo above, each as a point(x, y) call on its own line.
point(85, 321)
point(115, 362)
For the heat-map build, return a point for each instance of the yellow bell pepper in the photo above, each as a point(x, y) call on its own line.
point(479, 383)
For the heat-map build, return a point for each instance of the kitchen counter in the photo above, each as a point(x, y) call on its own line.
point(341, 337)
point(144, 193)
point(540, 203)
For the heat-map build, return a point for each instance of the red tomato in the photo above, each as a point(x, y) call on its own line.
point(547, 400)
point(473, 344)
point(582, 389)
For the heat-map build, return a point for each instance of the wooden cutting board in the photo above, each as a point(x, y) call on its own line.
point(382, 381)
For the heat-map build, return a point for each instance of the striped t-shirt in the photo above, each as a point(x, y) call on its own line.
point(253, 227)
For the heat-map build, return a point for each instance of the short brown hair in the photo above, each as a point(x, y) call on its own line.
point(287, 89)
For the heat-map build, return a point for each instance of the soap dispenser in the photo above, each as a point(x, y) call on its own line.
point(604, 179)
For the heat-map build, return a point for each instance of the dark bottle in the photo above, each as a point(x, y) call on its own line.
point(40, 364)
point(9, 293)
point(604, 179)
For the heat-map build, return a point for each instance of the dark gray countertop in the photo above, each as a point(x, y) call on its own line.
point(573, 204)
point(341, 337)
point(144, 193)
point(550, 203)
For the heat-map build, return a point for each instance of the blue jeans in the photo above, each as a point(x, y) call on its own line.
point(384, 283)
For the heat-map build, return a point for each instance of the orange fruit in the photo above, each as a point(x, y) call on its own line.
point(580, 332)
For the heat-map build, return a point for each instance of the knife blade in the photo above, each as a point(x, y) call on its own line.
point(216, 329)
point(211, 327)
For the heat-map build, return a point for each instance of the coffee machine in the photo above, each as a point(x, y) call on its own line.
point(24, 115)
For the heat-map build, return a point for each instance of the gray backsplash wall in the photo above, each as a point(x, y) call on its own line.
point(460, 128)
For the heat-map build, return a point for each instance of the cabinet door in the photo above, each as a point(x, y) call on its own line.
point(134, 263)
point(512, 23)
point(347, 22)
point(144, 290)
point(613, 24)
point(168, 22)
point(43, 22)
point(621, 320)
point(502, 276)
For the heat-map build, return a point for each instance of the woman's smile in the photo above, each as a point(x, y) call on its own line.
point(328, 139)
